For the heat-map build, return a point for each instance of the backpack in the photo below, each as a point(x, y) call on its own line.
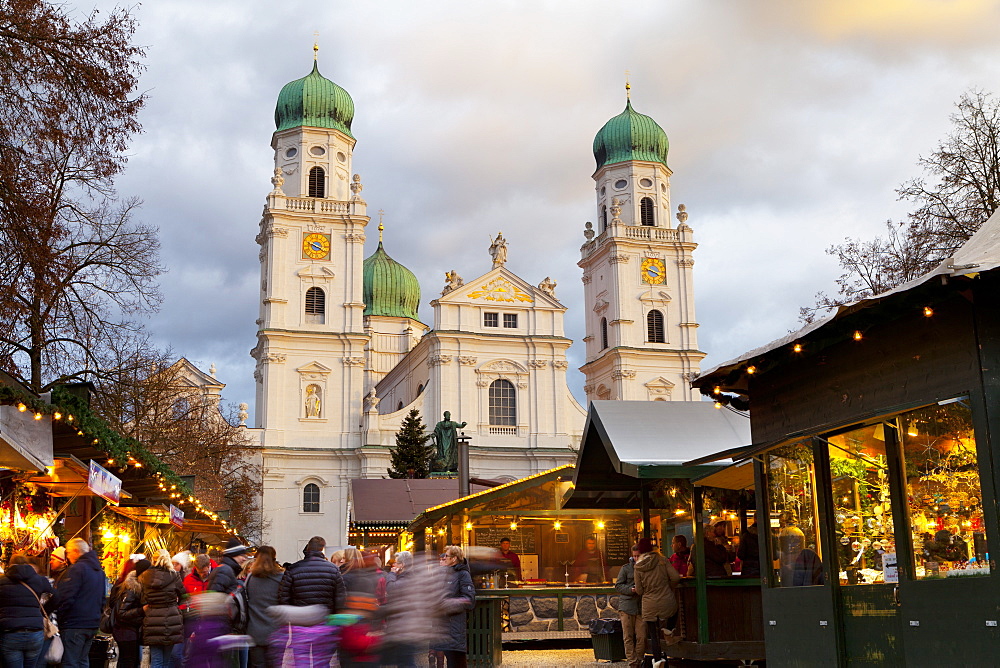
point(239, 608)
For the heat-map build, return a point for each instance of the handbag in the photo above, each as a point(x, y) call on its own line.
point(55, 653)
point(48, 626)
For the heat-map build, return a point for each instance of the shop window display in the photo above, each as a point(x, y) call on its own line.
point(943, 491)
point(793, 516)
point(862, 506)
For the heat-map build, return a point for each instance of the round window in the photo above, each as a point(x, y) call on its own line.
point(291, 153)
point(620, 183)
point(646, 183)
point(317, 151)
point(341, 157)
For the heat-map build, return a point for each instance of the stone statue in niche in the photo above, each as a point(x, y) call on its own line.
point(452, 281)
point(498, 250)
point(446, 438)
point(314, 402)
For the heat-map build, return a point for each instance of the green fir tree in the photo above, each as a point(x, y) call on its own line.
point(411, 457)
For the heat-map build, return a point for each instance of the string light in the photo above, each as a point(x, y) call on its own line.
point(513, 525)
point(57, 416)
point(38, 416)
point(557, 525)
point(797, 348)
point(468, 526)
point(857, 335)
point(21, 407)
point(716, 390)
point(928, 311)
point(718, 404)
point(751, 369)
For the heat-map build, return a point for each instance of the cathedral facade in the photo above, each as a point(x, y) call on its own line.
point(342, 355)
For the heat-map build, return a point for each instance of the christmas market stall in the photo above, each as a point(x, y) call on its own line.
point(380, 509)
point(873, 455)
point(635, 454)
point(93, 483)
point(558, 585)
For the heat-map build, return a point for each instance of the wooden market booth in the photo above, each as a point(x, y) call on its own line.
point(874, 463)
point(51, 498)
point(635, 455)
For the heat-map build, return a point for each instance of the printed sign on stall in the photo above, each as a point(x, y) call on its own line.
point(890, 572)
point(176, 516)
point(101, 482)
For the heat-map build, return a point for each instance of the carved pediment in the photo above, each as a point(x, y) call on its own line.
point(314, 367)
point(502, 366)
point(500, 289)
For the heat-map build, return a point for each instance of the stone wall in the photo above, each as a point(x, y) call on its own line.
point(541, 613)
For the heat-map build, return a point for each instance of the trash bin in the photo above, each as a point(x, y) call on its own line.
point(608, 639)
point(100, 648)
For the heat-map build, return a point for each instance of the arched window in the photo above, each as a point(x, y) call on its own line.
point(654, 327)
point(399, 406)
point(604, 218)
point(646, 211)
point(310, 498)
point(604, 333)
point(317, 182)
point(315, 305)
point(420, 389)
point(503, 403)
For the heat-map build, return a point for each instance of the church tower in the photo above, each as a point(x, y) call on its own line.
point(637, 271)
point(311, 338)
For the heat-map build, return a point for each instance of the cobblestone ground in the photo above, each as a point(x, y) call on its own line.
point(546, 658)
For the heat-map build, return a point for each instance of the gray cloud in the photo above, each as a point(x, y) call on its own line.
point(790, 123)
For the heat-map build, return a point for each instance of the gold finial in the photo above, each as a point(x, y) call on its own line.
point(316, 45)
point(381, 227)
point(628, 86)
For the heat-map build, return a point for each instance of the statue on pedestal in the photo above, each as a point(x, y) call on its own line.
point(446, 438)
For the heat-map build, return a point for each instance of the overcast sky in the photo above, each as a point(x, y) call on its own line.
point(790, 125)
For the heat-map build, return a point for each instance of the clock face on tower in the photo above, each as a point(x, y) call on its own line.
point(653, 271)
point(316, 246)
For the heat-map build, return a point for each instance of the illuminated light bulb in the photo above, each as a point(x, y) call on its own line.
point(22, 407)
point(679, 511)
point(138, 465)
point(716, 390)
point(928, 311)
point(557, 526)
point(718, 404)
point(428, 530)
point(468, 526)
point(125, 538)
point(69, 418)
point(79, 433)
point(38, 416)
point(600, 524)
point(797, 348)
point(108, 535)
point(111, 461)
point(440, 532)
point(751, 370)
point(57, 416)
point(95, 442)
point(857, 335)
point(513, 526)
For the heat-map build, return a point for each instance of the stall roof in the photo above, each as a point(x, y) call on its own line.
point(736, 476)
point(981, 253)
point(625, 442)
point(382, 501)
point(434, 513)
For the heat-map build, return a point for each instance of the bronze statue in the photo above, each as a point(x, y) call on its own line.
point(446, 437)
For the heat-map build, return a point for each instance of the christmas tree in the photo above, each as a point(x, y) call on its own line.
point(412, 456)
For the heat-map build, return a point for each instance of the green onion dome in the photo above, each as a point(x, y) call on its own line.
point(314, 101)
point(630, 136)
point(389, 288)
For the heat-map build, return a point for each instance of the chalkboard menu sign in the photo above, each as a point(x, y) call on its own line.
point(522, 540)
point(617, 542)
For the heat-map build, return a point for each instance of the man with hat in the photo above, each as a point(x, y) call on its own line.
point(223, 578)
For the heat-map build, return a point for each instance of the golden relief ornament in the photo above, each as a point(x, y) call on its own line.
point(653, 271)
point(316, 246)
point(500, 290)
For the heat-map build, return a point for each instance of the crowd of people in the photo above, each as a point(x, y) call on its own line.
point(239, 607)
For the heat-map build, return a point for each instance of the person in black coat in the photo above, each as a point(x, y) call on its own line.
point(78, 603)
point(127, 614)
point(459, 598)
point(313, 580)
point(224, 577)
point(21, 626)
